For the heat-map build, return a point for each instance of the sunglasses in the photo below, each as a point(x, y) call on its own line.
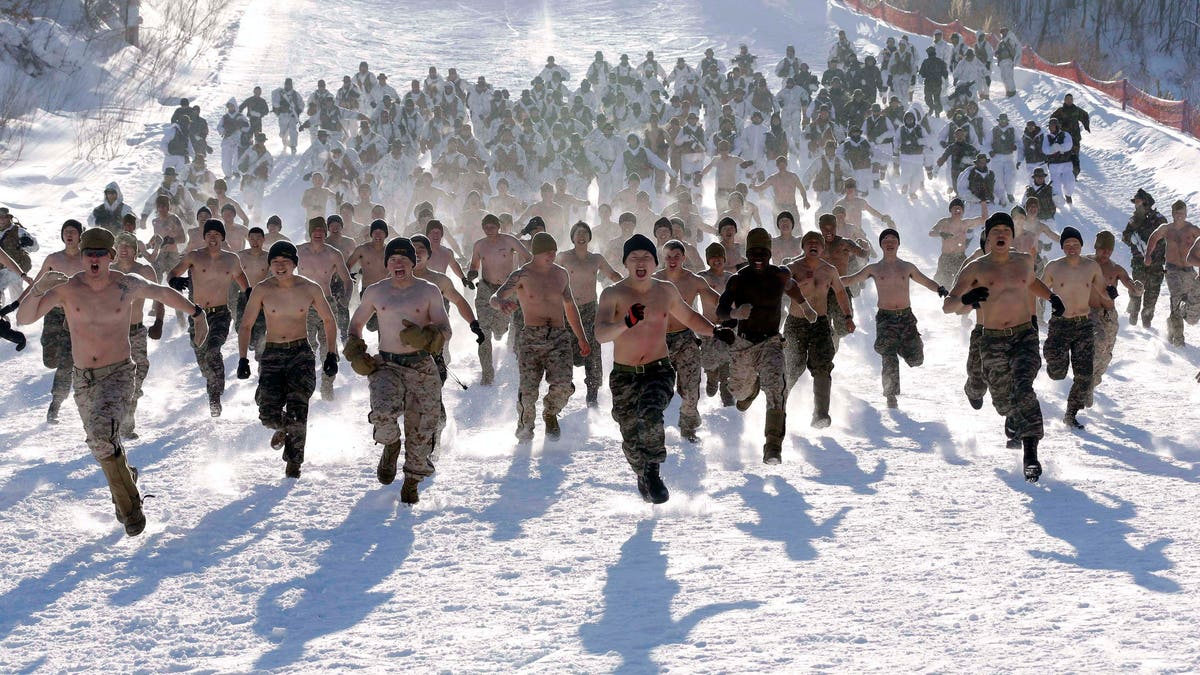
point(95, 252)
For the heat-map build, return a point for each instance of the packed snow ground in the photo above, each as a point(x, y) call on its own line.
point(895, 540)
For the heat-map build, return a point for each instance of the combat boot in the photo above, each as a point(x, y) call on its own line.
point(775, 426)
point(744, 404)
point(654, 484)
point(125, 496)
point(553, 432)
point(408, 491)
point(386, 471)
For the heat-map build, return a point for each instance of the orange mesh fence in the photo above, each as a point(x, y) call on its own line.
point(1177, 114)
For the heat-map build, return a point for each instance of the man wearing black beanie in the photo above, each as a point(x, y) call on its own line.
point(1071, 340)
point(211, 270)
point(632, 314)
point(403, 378)
point(896, 334)
point(1009, 345)
point(287, 373)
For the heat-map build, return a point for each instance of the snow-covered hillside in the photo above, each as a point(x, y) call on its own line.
point(894, 540)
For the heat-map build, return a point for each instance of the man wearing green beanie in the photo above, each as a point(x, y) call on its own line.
point(544, 295)
point(753, 301)
point(98, 302)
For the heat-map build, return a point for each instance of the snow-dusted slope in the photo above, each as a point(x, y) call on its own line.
point(895, 540)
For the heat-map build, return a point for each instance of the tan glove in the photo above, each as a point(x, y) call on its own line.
point(428, 338)
point(48, 281)
point(355, 352)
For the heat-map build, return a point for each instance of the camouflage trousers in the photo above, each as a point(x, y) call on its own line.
point(258, 331)
point(141, 363)
point(837, 319)
point(593, 369)
point(896, 337)
point(1071, 343)
point(408, 385)
point(809, 346)
point(287, 377)
point(340, 304)
point(949, 265)
point(715, 360)
point(316, 340)
point(758, 366)
point(208, 355)
point(1104, 331)
point(1185, 299)
point(102, 394)
point(684, 353)
point(976, 385)
point(639, 396)
point(493, 322)
point(544, 351)
point(56, 354)
point(1152, 279)
point(1011, 361)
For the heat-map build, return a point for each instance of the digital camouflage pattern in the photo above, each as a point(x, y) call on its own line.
point(543, 351)
point(1010, 365)
point(1071, 342)
point(639, 400)
point(897, 337)
point(414, 391)
point(287, 378)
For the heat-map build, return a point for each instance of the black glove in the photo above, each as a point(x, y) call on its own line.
point(330, 367)
point(635, 314)
point(726, 335)
point(14, 336)
point(942, 292)
point(469, 280)
point(1112, 291)
point(1057, 303)
point(180, 284)
point(243, 371)
point(479, 336)
point(975, 296)
point(25, 241)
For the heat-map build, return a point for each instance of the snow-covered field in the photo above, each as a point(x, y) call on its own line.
point(896, 540)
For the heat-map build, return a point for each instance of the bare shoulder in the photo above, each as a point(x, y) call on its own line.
point(437, 279)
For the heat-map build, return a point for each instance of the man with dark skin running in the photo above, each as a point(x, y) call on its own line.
point(286, 365)
point(632, 314)
point(1000, 283)
point(753, 299)
point(896, 332)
